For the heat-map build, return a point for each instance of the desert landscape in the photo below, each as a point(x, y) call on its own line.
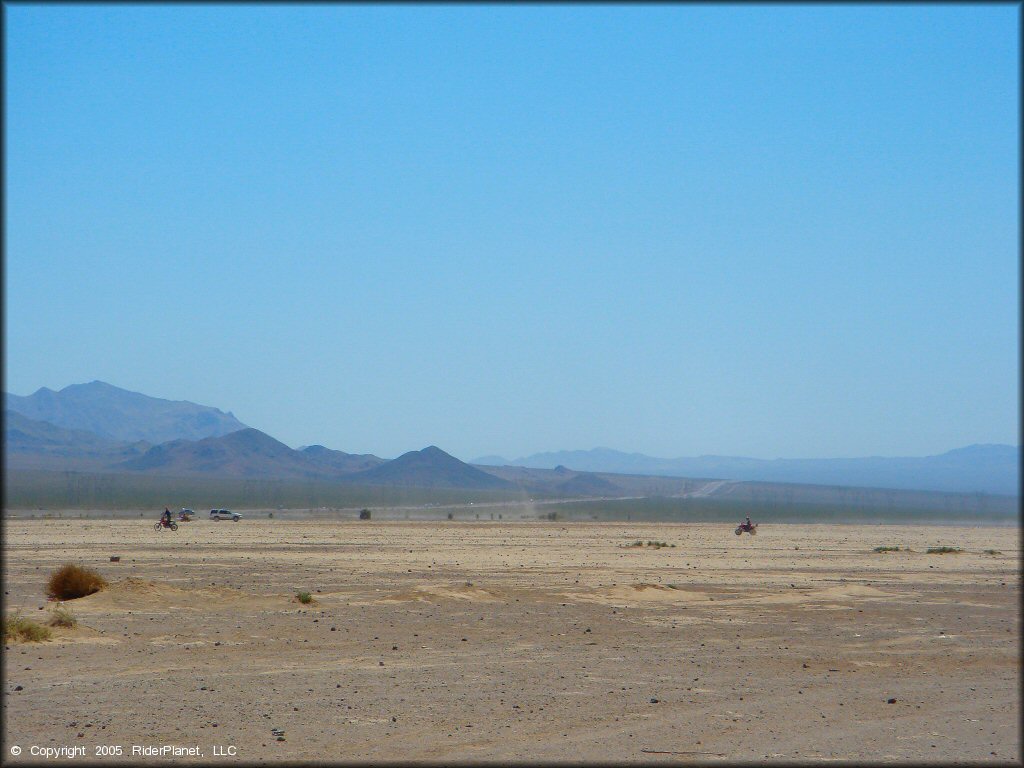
point(517, 641)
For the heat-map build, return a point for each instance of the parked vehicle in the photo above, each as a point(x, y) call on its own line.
point(185, 516)
point(224, 514)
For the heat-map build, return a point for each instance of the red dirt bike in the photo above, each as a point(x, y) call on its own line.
point(751, 529)
point(165, 524)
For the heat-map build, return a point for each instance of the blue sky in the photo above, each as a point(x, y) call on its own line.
point(770, 231)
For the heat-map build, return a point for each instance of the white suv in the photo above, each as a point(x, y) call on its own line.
point(224, 514)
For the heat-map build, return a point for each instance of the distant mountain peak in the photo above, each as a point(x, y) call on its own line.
point(430, 467)
point(120, 414)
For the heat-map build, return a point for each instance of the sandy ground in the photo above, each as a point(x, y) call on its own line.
point(512, 642)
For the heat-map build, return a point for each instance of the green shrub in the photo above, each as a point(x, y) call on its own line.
point(942, 550)
point(72, 581)
point(304, 598)
point(887, 549)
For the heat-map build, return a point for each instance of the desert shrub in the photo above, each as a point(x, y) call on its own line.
point(942, 550)
point(17, 627)
point(62, 617)
point(72, 581)
point(993, 552)
point(304, 597)
point(887, 549)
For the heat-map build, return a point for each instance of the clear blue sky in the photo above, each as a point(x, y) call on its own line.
point(770, 231)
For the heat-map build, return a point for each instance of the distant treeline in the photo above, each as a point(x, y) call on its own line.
point(41, 489)
point(997, 509)
point(786, 495)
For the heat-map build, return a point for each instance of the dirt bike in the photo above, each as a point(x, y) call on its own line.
point(165, 524)
point(751, 529)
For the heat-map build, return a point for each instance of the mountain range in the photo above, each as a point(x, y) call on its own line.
point(118, 414)
point(976, 468)
point(98, 427)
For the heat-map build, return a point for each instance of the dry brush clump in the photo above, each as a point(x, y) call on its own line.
point(653, 544)
point(17, 627)
point(72, 581)
point(61, 616)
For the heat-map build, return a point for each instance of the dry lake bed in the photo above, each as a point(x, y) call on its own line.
point(504, 642)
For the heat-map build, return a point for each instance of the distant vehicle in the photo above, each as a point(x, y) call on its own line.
point(224, 514)
point(185, 515)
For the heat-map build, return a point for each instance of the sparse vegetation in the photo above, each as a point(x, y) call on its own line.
point(17, 627)
point(993, 552)
point(653, 544)
point(42, 490)
point(73, 581)
point(61, 616)
point(364, 514)
point(304, 597)
point(942, 550)
point(887, 549)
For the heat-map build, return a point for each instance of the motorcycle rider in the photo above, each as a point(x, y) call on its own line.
point(748, 525)
point(165, 518)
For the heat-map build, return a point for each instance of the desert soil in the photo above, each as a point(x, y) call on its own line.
point(454, 641)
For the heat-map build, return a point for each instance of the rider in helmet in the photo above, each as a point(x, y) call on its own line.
point(165, 518)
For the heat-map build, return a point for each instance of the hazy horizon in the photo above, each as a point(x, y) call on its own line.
point(682, 230)
point(594, 449)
